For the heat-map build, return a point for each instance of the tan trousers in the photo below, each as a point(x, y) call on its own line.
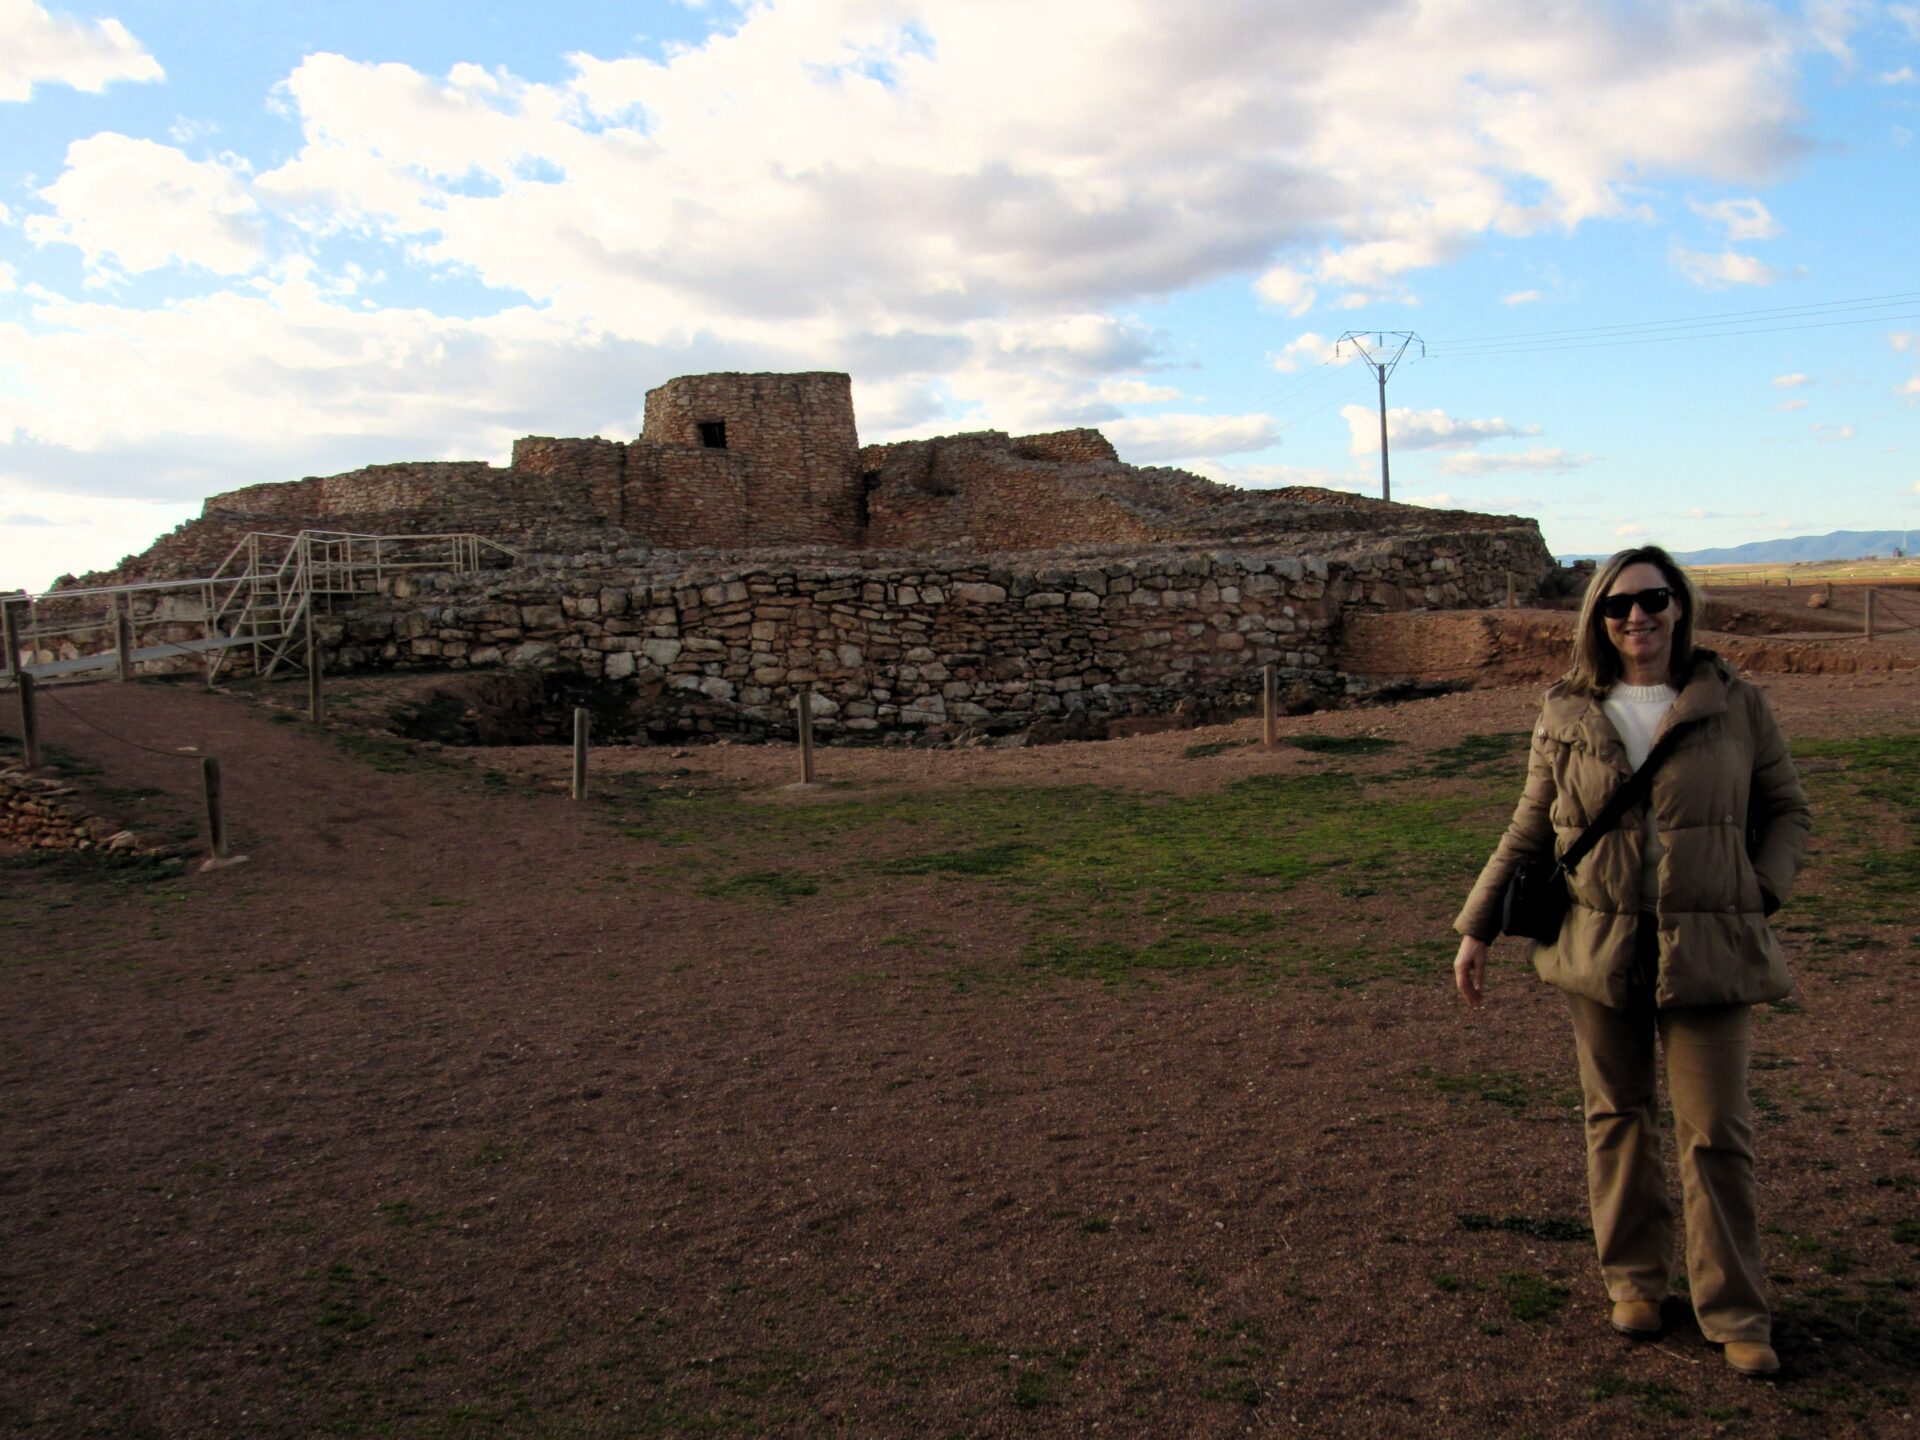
point(1706, 1050)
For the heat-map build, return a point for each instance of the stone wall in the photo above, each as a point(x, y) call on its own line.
point(911, 641)
point(793, 446)
point(38, 812)
point(989, 491)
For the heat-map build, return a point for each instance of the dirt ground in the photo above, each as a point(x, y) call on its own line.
point(713, 1106)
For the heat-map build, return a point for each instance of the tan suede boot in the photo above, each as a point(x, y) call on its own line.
point(1639, 1319)
point(1749, 1357)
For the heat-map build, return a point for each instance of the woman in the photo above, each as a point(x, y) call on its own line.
point(1666, 935)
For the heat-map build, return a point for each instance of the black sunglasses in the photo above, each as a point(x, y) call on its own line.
point(1652, 602)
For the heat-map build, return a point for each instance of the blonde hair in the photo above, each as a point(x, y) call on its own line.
point(1595, 667)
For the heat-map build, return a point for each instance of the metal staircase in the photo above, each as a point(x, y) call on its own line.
point(258, 602)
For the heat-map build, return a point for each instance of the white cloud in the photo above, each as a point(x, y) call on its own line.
point(1136, 392)
point(1908, 17)
point(1286, 288)
point(1629, 531)
point(1791, 382)
point(20, 520)
point(1305, 349)
point(1432, 502)
point(1522, 297)
point(1787, 407)
point(1156, 439)
point(1904, 340)
point(1903, 76)
point(1717, 272)
point(1539, 459)
point(1909, 389)
point(38, 48)
point(1742, 219)
point(137, 206)
point(1422, 429)
point(9, 279)
point(1825, 431)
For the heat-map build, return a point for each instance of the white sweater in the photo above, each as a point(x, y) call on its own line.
point(1635, 711)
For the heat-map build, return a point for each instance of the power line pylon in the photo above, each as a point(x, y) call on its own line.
point(1382, 368)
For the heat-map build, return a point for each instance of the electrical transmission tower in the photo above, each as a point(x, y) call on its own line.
point(1382, 366)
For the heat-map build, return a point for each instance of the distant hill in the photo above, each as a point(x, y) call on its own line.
point(1835, 545)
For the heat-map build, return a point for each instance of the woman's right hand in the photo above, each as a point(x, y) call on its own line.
point(1470, 969)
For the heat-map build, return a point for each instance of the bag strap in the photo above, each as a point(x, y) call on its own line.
point(1624, 799)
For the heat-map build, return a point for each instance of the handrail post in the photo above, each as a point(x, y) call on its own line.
point(123, 637)
point(1269, 707)
point(29, 723)
point(9, 631)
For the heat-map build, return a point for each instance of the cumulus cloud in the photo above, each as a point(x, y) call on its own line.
point(1155, 439)
point(1787, 407)
point(1303, 350)
point(134, 205)
point(1286, 288)
point(1904, 340)
point(1825, 430)
point(1791, 382)
point(1629, 530)
point(1903, 76)
point(1422, 429)
point(1522, 297)
point(1136, 392)
point(39, 48)
point(1741, 219)
point(1537, 460)
point(1717, 272)
point(1909, 389)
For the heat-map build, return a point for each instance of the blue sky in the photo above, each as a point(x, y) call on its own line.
point(1660, 252)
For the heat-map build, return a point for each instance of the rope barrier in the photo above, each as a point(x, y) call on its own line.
point(48, 695)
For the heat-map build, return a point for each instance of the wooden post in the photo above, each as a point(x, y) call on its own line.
point(216, 815)
point(9, 631)
point(1869, 612)
point(580, 727)
point(316, 699)
point(123, 638)
point(29, 722)
point(1512, 602)
point(1269, 707)
point(803, 701)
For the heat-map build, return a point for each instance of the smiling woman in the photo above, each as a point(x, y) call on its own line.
point(1661, 791)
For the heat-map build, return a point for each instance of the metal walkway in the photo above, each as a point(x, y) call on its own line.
point(260, 601)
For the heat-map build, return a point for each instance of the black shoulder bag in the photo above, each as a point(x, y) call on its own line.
point(1536, 899)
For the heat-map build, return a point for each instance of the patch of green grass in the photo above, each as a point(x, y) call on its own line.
point(782, 887)
point(999, 858)
point(1533, 1298)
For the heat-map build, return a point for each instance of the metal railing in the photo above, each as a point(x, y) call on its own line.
point(258, 600)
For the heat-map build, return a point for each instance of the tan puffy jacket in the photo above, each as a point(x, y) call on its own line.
point(1716, 947)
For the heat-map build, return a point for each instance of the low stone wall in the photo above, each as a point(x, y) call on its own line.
point(40, 813)
point(898, 641)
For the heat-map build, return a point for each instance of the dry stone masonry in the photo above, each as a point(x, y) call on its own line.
point(745, 545)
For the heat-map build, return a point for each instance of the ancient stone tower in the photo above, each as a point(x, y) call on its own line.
point(730, 461)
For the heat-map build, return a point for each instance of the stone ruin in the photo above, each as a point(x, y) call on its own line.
point(746, 545)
